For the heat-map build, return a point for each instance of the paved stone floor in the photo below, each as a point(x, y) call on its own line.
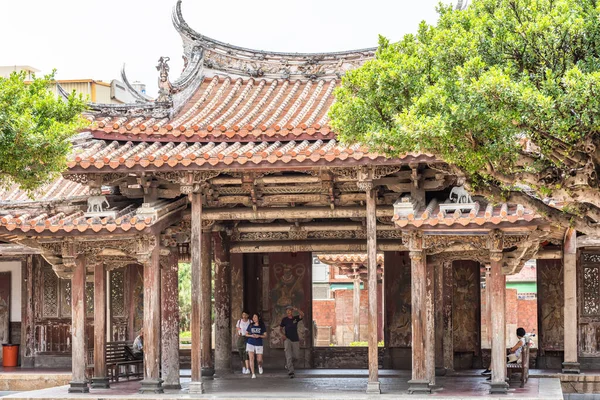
point(314, 384)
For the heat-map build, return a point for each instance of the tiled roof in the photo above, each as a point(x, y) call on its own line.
point(431, 215)
point(347, 258)
point(57, 190)
point(101, 154)
point(129, 217)
point(226, 108)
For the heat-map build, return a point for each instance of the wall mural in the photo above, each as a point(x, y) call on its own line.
point(397, 299)
point(551, 302)
point(290, 284)
point(466, 321)
point(138, 298)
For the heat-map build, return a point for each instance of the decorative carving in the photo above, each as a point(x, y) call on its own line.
point(96, 203)
point(164, 85)
point(89, 298)
point(144, 247)
point(365, 186)
point(346, 172)
point(50, 293)
point(459, 195)
point(117, 293)
point(96, 179)
point(495, 240)
point(591, 290)
point(416, 255)
point(437, 243)
point(384, 170)
point(116, 262)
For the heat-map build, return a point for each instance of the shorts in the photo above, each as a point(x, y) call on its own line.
point(250, 348)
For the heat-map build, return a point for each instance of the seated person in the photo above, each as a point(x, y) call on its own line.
point(138, 346)
point(514, 353)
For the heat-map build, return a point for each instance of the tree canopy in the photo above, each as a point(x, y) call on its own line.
point(35, 128)
point(507, 92)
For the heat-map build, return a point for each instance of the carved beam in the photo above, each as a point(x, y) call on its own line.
point(314, 245)
point(299, 212)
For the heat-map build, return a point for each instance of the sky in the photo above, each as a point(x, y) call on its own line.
point(92, 39)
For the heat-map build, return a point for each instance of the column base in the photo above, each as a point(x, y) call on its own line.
point(571, 368)
point(151, 386)
point(78, 387)
point(196, 388)
point(440, 371)
point(207, 372)
point(416, 386)
point(171, 386)
point(100, 383)
point(499, 388)
point(373, 388)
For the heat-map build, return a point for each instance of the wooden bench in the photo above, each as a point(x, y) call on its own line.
point(522, 366)
point(119, 362)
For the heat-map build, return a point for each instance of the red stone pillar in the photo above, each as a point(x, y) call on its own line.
point(170, 320)
point(373, 383)
point(196, 386)
point(152, 382)
point(498, 323)
point(78, 382)
point(100, 380)
point(419, 382)
point(208, 369)
point(222, 303)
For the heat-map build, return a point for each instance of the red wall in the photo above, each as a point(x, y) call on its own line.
point(324, 313)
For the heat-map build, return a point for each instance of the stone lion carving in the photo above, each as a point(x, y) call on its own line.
point(459, 195)
point(96, 203)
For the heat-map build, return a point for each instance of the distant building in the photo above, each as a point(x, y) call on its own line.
point(96, 91)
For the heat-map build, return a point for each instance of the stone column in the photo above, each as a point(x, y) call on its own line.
point(100, 380)
point(27, 327)
point(419, 382)
point(78, 382)
point(356, 305)
point(196, 385)
point(170, 320)
point(498, 323)
point(208, 368)
point(448, 344)
point(439, 318)
point(222, 303)
point(373, 383)
point(151, 382)
point(571, 363)
point(429, 323)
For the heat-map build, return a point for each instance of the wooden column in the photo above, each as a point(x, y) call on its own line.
point(373, 383)
point(109, 320)
point(78, 382)
point(170, 320)
point(208, 369)
point(488, 304)
point(27, 327)
point(571, 362)
point(222, 303)
point(100, 380)
point(356, 306)
point(498, 323)
point(419, 382)
point(439, 318)
point(152, 382)
point(448, 341)
point(429, 323)
point(196, 385)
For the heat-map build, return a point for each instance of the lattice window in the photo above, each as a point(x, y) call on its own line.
point(590, 284)
point(65, 298)
point(89, 298)
point(117, 293)
point(50, 301)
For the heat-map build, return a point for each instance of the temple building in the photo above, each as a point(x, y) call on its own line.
point(234, 164)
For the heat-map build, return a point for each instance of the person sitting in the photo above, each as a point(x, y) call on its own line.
point(514, 353)
point(138, 346)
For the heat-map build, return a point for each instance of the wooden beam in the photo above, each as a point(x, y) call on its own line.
point(588, 241)
point(10, 249)
point(196, 385)
point(373, 383)
point(206, 305)
point(222, 304)
point(549, 255)
point(308, 227)
point(100, 380)
point(170, 322)
point(237, 214)
point(78, 382)
point(333, 246)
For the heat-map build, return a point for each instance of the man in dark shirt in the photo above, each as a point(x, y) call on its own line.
point(291, 341)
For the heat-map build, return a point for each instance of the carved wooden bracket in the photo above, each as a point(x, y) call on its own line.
point(96, 180)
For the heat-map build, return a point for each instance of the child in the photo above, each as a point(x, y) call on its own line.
point(514, 352)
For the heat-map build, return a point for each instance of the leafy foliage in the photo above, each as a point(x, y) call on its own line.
point(35, 128)
point(506, 91)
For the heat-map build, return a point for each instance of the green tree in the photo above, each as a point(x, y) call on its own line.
point(507, 92)
point(35, 128)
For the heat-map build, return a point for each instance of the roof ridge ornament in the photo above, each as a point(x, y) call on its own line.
point(164, 84)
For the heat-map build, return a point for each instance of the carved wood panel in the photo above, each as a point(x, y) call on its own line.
point(551, 301)
point(4, 307)
point(290, 283)
point(117, 293)
point(589, 305)
point(397, 299)
point(466, 320)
